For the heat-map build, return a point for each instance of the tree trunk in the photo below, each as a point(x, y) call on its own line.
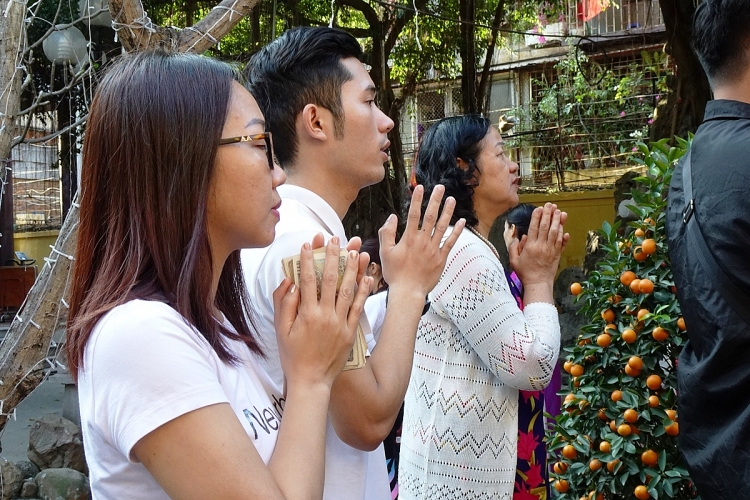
point(68, 167)
point(682, 110)
point(11, 31)
point(484, 81)
point(190, 7)
point(26, 344)
point(468, 57)
point(375, 203)
point(255, 41)
point(138, 33)
point(6, 215)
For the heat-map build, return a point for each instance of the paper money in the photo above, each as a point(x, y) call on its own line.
point(291, 268)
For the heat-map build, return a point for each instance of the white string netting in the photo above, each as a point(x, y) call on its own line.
point(227, 16)
point(32, 318)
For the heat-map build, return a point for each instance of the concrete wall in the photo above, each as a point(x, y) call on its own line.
point(36, 244)
point(587, 210)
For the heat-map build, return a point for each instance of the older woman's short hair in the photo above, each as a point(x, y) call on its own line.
point(437, 161)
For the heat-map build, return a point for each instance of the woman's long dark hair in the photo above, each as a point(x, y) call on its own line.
point(148, 159)
point(437, 161)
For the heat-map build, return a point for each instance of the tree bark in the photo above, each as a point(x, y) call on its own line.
point(682, 110)
point(136, 32)
point(11, 35)
point(26, 343)
point(68, 167)
point(468, 57)
point(484, 80)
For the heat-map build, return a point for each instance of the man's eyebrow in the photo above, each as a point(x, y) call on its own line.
point(256, 121)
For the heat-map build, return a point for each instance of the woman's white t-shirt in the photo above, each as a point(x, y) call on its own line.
point(143, 366)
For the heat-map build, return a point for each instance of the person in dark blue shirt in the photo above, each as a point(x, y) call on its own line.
point(714, 367)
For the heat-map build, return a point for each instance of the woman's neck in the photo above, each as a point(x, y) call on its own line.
point(483, 228)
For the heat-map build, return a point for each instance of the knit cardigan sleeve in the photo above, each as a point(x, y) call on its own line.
point(519, 347)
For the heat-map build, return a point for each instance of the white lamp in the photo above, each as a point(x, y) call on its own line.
point(66, 45)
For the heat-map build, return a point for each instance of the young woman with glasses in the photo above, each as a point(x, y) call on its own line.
point(178, 176)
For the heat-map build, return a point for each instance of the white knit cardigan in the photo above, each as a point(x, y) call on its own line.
point(475, 349)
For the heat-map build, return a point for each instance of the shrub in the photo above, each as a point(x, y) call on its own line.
point(621, 414)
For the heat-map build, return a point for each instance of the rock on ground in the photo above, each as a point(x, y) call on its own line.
point(28, 469)
point(29, 489)
point(56, 442)
point(12, 479)
point(62, 484)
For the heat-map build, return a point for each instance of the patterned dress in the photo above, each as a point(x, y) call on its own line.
point(475, 349)
point(532, 475)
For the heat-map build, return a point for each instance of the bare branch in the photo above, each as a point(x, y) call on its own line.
point(357, 32)
point(137, 32)
point(23, 352)
point(53, 27)
point(37, 140)
point(134, 28)
point(44, 95)
point(214, 26)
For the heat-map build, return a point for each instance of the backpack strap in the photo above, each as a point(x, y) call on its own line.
point(738, 300)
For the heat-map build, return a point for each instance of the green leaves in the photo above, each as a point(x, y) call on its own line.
point(609, 297)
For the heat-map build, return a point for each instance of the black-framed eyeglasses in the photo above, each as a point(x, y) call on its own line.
point(265, 137)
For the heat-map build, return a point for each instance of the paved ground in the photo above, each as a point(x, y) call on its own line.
point(47, 399)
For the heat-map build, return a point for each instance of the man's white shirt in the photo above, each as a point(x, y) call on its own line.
point(351, 474)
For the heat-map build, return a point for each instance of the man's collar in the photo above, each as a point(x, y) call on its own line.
point(317, 205)
point(726, 109)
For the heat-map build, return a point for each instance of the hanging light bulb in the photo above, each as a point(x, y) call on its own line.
point(66, 45)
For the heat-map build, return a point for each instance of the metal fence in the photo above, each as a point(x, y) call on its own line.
point(36, 180)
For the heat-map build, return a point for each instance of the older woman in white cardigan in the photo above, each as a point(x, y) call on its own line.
point(475, 348)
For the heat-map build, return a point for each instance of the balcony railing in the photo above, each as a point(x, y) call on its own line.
point(621, 16)
point(592, 18)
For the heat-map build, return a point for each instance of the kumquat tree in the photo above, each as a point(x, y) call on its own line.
point(617, 435)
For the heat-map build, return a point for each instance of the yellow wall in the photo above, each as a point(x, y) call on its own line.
point(587, 210)
point(36, 245)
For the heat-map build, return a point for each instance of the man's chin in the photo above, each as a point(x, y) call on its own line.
point(378, 176)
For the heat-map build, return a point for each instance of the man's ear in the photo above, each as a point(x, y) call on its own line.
point(316, 122)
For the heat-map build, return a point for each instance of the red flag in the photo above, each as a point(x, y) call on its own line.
point(588, 9)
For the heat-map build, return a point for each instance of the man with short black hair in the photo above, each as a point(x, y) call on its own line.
point(713, 280)
point(331, 139)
